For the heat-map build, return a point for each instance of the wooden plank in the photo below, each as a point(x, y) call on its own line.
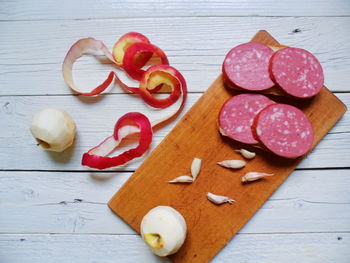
point(51, 248)
point(262, 248)
point(35, 69)
point(90, 9)
point(211, 227)
point(57, 202)
point(16, 113)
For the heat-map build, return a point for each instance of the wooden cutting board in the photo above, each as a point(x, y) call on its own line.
point(211, 227)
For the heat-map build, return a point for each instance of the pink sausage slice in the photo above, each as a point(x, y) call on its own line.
point(237, 115)
point(247, 67)
point(284, 130)
point(297, 72)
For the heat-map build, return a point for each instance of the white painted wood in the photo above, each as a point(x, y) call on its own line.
point(74, 248)
point(95, 119)
point(32, 53)
point(322, 247)
point(51, 202)
point(65, 9)
point(262, 248)
point(311, 208)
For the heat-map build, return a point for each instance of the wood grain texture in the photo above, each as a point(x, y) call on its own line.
point(16, 113)
point(35, 35)
point(195, 45)
point(291, 248)
point(50, 248)
point(92, 9)
point(64, 202)
point(211, 227)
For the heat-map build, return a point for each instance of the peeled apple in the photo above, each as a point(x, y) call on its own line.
point(164, 230)
point(53, 129)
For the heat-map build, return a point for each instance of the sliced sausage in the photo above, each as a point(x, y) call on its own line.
point(247, 67)
point(284, 130)
point(237, 115)
point(297, 72)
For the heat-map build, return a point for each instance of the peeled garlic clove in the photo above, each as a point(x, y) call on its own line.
point(53, 129)
point(218, 199)
point(181, 179)
point(253, 176)
point(196, 168)
point(246, 154)
point(235, 164)
point(164, 230)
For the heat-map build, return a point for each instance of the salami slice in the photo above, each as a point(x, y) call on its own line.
point(284, 130)
point(237, 115)
point(297, 72)
point(247, 67)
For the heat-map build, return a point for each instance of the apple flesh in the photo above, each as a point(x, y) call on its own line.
point(164, 230)
point(53, 129)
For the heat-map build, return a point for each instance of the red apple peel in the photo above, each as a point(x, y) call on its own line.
point(131, 58)
point(124, 43)
point(131, 52)
point(102, 162)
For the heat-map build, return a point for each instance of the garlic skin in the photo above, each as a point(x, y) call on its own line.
point(219, 199)
point(181, 179)
point(196, 167)
point(253, 176)
point(246, 154)
point(164, 230)
point(53, 129)
point(234, 164)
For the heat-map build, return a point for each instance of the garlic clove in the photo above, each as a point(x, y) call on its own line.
point(223, 133)
point(246, 154)
point(196, 168)
point(253, 176)
point(234, 164)
point(53, 129)
point(181, 179)
point(164, 230)
point(219, 199)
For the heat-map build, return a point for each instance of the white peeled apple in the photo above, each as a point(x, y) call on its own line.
point(53, 129)
point(164, 230)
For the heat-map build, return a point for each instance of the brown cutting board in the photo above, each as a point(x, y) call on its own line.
point(211, 227)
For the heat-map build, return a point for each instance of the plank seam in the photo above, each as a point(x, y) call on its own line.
point(171, 17)
point(126, 234)
point(114, 94)
point(131, 171)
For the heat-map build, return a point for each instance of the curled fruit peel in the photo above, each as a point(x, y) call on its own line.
point(131, 52)
point(80, 48)
point(157, 76)
point(96, 157)
point(145, 129)
point(153, 79)
point(124, 43)
point(133, 49)
point(132, 56)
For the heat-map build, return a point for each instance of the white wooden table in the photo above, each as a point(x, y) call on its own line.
point(54, 210)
